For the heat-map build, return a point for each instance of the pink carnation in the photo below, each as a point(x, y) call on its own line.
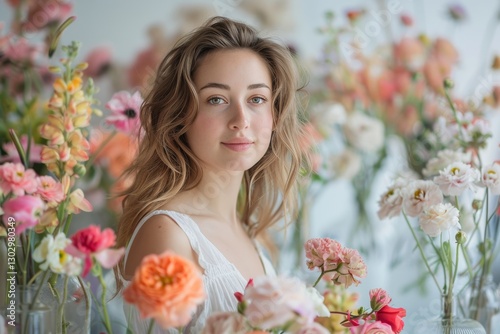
point(350, 269)
point(323, 253)
point(14, 178)
point(25, 210)
point(92, 243)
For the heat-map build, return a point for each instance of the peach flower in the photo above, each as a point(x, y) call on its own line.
point(225, 323)
point(167, 288)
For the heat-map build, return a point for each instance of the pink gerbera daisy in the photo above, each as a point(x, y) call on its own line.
point(125, 110)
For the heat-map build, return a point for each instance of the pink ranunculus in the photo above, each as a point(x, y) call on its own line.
point(376, 327)
point(351, 268)
point(323, 253)
point(49, 189)
point(125, 110)
point(94, 243)
point(419, 195)
point(14, 178)
point(13, 155)
point(312, 328)
point(379, 298)
point(25, 210)
point(225, 323)
point(456, 178)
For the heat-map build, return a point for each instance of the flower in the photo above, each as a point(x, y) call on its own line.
point(391, 202)
point(457, 177)
point(419, 195)
point(439, 218)
point(378, 299)
point(93, 243)
point(14, 178)
point(376, 327)
point(13, 155)
point(491, 178)
point(225, 323)
point(167, 288)
point(364, 132)
point(51, 253)
point(443, 159)
point(26, 210)
point(392, 316)
point(125, 110)
point(50, 190)
point(322, 252)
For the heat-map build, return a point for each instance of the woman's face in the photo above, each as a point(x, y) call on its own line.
point(232, 130)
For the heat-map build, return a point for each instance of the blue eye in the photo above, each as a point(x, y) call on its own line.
point(215, 100)
point(257, 100)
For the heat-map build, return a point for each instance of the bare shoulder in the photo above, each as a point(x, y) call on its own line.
point(158, 234)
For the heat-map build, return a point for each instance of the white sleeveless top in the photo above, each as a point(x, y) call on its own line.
point(221, 278)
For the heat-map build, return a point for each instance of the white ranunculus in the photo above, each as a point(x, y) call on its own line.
point(364, 132)
point(391, 201)
point(491, 178)
point(456, 178)
point(346, 165)
point(318, 302)
point(439, 218)
point(443, 159)
point(419, 195)
point(326, 115)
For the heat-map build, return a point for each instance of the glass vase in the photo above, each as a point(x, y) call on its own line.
point(480, 301)
point(70, 299)
point(448, 322)
point(26, 315)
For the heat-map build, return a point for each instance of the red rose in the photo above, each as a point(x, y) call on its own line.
point(392, 316)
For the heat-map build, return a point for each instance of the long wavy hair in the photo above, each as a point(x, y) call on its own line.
point(166, 165)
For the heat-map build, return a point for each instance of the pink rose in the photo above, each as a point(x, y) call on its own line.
point(14, 178)
point(25, 210)
point(376, 327)
point(313, 328)
point(379, 298)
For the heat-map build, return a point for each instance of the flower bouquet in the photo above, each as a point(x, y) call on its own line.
point(451, 218)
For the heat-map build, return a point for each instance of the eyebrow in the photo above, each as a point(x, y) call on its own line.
point(226, 87)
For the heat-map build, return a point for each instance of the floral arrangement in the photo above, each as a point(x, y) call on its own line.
point(167, 288)
point(455, 205)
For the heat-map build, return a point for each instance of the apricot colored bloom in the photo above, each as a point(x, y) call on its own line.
point(491, 178)
point(167, 288)
point(26, 211)
point(49, 190)
point(419, 195)
point(439, 218)
point(51, 254)
point(379, 298)
point(93, 243)
point(225, 323)
point(125, 110)
point(14, 178)
point(377, 327)
point(456, 178)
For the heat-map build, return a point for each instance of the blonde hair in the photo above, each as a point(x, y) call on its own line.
point(165, 164)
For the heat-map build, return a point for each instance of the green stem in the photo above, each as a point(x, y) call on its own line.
point(422, 252)
point(319, 278)
point(62, 304)
point(151, 325)
point(87, 302)
point(107, 322)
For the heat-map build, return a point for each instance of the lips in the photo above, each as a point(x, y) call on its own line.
point(238, 145)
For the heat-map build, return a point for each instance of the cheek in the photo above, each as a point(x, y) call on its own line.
point(264, 129)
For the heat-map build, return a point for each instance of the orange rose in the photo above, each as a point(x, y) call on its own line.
point(167, 288)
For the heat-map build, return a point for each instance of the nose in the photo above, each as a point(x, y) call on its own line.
point(239, 118)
